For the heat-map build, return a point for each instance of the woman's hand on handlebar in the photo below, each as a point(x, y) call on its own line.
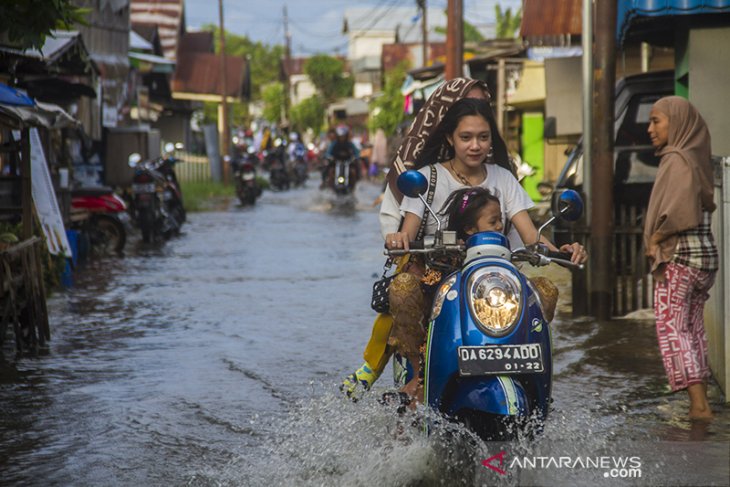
point(577, 251)
point(397, 241)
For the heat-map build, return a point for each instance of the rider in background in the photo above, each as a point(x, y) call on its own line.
point(341, 149)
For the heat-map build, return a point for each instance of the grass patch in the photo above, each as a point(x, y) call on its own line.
point(206, 195)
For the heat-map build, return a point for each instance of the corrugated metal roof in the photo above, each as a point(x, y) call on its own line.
point(167, 15)
point(542, 18)
point(631, 10)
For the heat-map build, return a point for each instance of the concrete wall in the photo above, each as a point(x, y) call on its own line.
point(709, 70)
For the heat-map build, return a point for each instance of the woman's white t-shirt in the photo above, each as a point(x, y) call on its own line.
point(500, 182)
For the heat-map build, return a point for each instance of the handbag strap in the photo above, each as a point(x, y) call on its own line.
point(429, 200)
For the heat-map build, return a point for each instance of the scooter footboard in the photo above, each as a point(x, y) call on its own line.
point(499, 395)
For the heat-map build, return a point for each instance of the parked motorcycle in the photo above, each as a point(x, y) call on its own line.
point(151, 194)
point(107, 218)
point(166, 166)
point(244, 175)
point(489, 356)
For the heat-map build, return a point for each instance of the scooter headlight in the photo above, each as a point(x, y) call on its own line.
point(494, 300)
point(438, 301)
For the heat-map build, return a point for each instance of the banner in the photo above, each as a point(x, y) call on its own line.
point(45, 200)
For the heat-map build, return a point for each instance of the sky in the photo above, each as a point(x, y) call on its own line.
point(315, 25)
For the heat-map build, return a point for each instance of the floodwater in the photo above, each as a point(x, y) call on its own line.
point(214, 359)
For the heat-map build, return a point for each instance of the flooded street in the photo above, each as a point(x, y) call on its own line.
point(214, 359)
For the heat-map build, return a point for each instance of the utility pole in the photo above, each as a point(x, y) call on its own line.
point(454, 39)
point(604, 75)
point(287, 66)
point(223, 113)
point(424, 31)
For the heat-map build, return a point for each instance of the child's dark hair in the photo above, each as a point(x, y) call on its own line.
point(463, 208)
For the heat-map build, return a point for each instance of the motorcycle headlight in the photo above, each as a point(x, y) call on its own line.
point(494, 300)
point(438, 301)
point(340, 180)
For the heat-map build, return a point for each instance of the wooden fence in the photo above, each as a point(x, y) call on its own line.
point(633, 288)
point(192, 168)
point(632, 283)
point(22, 296)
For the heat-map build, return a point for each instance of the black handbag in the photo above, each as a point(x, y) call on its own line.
point(380, 301)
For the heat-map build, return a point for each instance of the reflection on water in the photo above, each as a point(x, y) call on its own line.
point(215, 360)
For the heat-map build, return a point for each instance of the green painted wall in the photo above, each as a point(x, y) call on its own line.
point(533, 151)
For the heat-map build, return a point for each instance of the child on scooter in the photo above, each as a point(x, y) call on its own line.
point(473, 210)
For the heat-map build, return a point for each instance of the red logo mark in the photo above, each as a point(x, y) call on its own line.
point(488, 463)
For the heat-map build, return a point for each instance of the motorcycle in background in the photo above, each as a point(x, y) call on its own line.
point(343, 176)
point(107, 218)
point(166, 167)
point(488, 361)
point(244, 174)
point(275, 162)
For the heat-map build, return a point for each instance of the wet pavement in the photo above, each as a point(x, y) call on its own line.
point(214, 359)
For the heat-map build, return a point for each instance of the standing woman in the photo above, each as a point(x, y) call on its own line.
point(680, 245)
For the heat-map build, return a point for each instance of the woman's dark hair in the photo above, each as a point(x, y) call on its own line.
point(437, 147)
point(463, 207)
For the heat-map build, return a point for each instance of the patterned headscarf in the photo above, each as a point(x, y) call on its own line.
point(426, 121)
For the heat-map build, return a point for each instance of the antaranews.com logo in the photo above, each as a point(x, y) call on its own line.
point(618, 467)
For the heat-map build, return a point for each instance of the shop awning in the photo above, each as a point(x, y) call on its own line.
point(631, 12)
point(149, 63)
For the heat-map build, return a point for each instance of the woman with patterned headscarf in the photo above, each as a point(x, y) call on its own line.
point(680, 245)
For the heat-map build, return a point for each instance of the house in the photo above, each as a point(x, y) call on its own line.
point(370, 28)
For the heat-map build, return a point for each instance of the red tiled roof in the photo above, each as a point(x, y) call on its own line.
point(197, 42)
point(199, 73)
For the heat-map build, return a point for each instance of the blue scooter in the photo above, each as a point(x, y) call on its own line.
point(488, 360)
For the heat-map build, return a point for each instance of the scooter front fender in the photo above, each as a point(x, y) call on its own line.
point(499, 395)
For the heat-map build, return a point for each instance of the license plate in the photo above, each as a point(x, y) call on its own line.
point(249, 176)
point(500, 359)
point(143, 188)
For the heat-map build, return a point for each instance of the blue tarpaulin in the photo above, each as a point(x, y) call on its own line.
point(629, 10)
point(11, 96)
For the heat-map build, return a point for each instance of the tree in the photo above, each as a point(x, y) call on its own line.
point(508, 26)
point(308, 114)
point(264, 60)
point(328, 75)
point(27, 23)
point(471, 33)
point(273, 98)
point(386, 111)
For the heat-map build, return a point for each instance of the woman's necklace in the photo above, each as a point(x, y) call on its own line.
point(463, 178)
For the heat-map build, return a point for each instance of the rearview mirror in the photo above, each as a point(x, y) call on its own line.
point(568, 205)
point(412, 183)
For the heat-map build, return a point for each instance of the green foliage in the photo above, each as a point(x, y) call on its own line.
point(386, 111)
point(264, 60)
point(308, 114)
point(27, 23)
point(508, 25)
point(328, 75)
point(206, 195)
point(273, 98)
point(471, 33)
point(237, 112)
